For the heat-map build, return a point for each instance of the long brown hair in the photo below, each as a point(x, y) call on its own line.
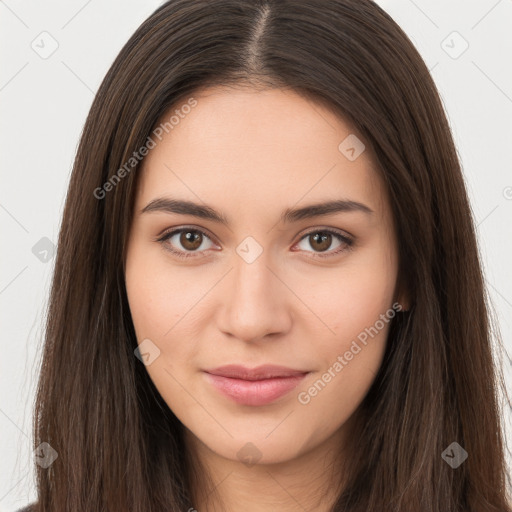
point(119, 445)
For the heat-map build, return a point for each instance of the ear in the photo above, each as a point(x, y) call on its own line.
point(402, 297)
point(403, 300)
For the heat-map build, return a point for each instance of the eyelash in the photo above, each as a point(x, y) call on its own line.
point(347, 241)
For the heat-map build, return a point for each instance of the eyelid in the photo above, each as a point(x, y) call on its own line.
point(176, 229)
point(326, 229)
point(163, 236)
point(347, 239)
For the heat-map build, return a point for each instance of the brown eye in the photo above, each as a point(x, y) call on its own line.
point(185, 242)
point(321, 240)
point(190, 240)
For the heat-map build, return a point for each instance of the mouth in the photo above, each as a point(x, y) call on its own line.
point(258, 386)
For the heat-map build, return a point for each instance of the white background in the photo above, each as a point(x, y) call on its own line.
point(44, 103)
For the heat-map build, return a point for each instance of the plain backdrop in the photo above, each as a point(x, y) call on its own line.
point(53, 58)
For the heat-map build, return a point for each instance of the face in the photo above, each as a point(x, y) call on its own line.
point(253, 276)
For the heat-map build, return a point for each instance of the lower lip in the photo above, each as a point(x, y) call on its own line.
point(255, 392)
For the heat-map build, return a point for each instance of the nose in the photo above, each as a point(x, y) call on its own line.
point(255, 302)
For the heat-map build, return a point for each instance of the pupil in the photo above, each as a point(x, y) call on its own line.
point(325, 241)
point(190, 240)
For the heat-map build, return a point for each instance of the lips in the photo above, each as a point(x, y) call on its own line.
point(256, 386)
point(267, 371)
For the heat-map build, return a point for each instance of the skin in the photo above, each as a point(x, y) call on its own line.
point(250, 155)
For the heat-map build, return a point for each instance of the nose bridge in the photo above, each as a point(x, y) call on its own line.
point(253, 304)
point(253, 280)
point(251, 273)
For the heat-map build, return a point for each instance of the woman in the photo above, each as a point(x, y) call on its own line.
point(267, 290)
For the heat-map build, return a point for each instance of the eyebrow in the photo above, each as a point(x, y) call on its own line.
point(183, 207)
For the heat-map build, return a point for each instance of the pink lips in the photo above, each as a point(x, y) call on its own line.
point(257, 386)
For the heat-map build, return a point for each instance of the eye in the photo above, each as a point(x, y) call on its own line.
point(321, 240)
point(190, 239)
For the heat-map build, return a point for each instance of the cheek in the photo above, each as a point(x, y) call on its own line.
point(159, 301)
point(166, 307)
point(349, 359)
point(356, 304)
point(352, 297)
point(158, 297)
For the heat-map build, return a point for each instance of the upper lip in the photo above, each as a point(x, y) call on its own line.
point(266, 371)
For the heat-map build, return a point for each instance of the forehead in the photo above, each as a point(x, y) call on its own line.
point(258, 148)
